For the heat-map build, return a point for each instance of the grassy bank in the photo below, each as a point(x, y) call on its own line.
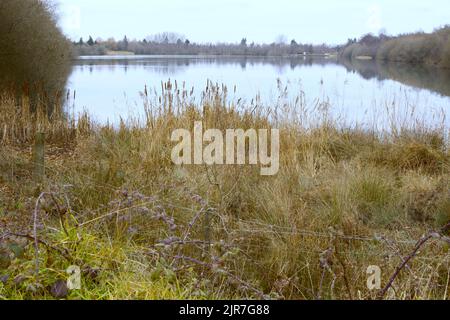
point(138, 226)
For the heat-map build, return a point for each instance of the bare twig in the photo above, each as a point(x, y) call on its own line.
point(36, 240)
point(35, 223)
point(325, 263)
point(420, 243)
point(192, 223)
point(394, 248)
point(64, 253)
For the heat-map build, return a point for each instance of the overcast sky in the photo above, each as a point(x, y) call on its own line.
point(317, 21)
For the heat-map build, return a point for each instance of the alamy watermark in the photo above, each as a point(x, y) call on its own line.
point(234, 146)
point(374, 279)
point(74, 279)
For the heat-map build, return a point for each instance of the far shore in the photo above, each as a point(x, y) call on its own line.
point(120, 54)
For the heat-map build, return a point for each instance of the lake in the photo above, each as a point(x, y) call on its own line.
point(109, 87)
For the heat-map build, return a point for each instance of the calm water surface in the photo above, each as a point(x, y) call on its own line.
point(109, 87)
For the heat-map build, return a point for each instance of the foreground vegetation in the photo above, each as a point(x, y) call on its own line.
point(140, 227)
point(417, 48)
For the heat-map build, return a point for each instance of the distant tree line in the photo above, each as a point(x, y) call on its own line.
point(175, 44)
point(34, 54)
point(418, 48)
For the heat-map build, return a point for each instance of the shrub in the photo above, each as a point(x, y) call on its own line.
point(418, 48)
point(34, 54)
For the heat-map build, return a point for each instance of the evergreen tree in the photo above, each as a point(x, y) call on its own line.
point(90, 42)
point(125, 43)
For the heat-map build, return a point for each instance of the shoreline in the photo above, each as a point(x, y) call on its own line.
point(130, 56)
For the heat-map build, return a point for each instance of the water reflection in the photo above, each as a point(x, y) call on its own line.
point(418, 76)
point(170, 65)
